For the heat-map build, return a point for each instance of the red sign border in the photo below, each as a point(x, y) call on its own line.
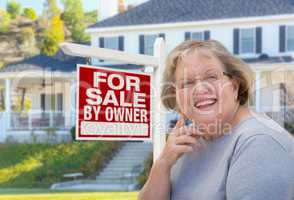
point(110, 137)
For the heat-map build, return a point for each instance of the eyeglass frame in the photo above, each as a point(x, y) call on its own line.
point(201, 79)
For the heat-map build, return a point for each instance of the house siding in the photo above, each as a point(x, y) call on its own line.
point(223, 33)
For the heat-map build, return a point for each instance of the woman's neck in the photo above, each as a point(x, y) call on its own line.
point(223, 128)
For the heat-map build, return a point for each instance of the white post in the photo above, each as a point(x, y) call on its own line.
point(67, 101)
point(257, 90)
point(30, 120)
point(73, 102)
point(158, 121)
point(51, 113)
point(8, 103)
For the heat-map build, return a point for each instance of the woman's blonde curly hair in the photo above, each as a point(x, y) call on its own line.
point(233, 66)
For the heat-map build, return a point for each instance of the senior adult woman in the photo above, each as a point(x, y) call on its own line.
point(228, 152)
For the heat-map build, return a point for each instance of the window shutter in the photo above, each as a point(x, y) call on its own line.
point(206, 35)
point(121, 43)
point(101, 45)
point(258, 33)
point(141, 44)
point(101, 42)
point(236, 40)
point(43, 102)
point(187, 35)
point(282, 35)
point(162, 35)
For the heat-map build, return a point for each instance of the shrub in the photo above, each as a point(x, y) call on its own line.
point(289, 127)
point(73, 133)
point(4, 21)
point(147, 167)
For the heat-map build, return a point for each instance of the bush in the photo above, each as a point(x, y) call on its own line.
point(289, 127)
point(4, 21)
point(147, 167)
point(73, 133)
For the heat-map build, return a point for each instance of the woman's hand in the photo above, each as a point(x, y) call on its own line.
point(182, 139)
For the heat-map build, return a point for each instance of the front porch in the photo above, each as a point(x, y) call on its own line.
point(36, 103)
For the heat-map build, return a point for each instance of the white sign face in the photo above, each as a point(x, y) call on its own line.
point(112, 104)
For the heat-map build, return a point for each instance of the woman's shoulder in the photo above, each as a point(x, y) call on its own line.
point(261, 132)
point(261, 166)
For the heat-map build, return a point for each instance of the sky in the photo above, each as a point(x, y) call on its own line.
point(38, 4)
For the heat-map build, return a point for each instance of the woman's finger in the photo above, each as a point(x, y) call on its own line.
point(180, 122)
point(183, 149)
point(185, 139)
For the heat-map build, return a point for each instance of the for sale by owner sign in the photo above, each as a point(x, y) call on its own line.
point(112, 104)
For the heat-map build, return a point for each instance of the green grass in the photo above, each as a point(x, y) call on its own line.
point(37, 194)
point(40, 165)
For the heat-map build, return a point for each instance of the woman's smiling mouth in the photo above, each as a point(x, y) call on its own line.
point(205, 103)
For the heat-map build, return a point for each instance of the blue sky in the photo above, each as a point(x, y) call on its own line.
point(38, 4)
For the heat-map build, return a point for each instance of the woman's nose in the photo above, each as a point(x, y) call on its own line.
point(201, 87)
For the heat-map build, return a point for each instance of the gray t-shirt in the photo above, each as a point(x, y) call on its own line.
point(254, 162)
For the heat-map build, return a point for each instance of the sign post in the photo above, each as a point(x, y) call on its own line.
point(97, 98)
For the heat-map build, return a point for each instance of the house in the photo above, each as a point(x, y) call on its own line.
point(259, 32)
point(37, 97)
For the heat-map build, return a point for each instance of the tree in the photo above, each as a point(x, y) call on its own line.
point(56, 29)
point(73, 17)
point(13, 8)
point(49, 46)
point(50, 9)
point(30, 13)
point(52, 36)
point(4, 21)
point(53, 33)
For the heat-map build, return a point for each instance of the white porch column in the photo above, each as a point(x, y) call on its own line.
point(73, 106)
point(257, 91)
point(8, 103)
point(67, 103)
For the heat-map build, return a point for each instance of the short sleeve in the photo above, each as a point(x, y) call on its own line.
point(261, 169)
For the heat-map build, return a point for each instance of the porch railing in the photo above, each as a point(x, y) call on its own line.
point(38, 119)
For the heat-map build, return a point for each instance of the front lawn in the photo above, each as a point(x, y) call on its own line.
point(40, 165)
point(36, 194)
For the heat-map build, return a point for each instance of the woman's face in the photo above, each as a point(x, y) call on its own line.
point(204, 93)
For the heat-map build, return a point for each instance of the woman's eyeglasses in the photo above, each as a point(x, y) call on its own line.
point(209, 78)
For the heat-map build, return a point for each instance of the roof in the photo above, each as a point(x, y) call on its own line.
point(171, 11)
point(45, 63)
point(60, 63)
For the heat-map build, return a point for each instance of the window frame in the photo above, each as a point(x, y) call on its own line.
point(254, 41)
point(197, 32)
point(108, 39)
point(51, 102)
point(148, 46)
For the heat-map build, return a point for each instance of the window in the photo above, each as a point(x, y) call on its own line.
point(290, 38)
point(52, 102)
point(148, 44)
point(247, 40)
point(197, 36)
point(111, 42)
